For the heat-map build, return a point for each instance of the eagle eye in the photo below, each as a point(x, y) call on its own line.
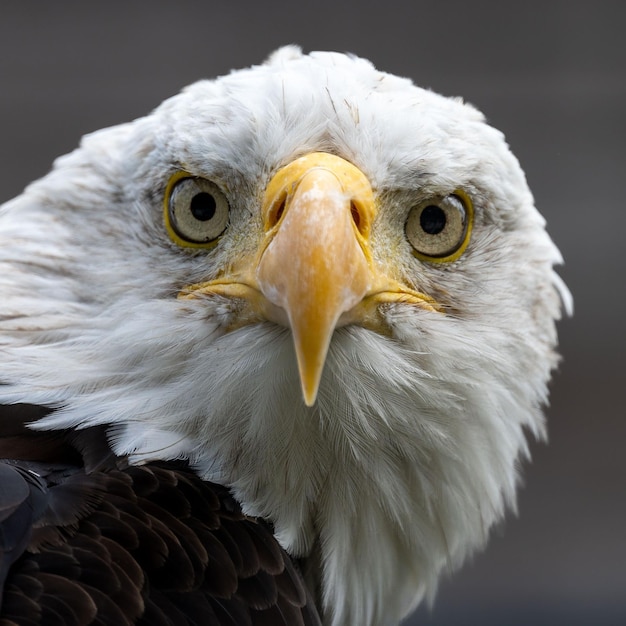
point(439, 229)
point(196, 211)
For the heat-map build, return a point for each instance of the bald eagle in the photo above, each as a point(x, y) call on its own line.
point(270, 354)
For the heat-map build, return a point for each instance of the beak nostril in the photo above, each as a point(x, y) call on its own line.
point(279, 211)
point(276, 212)
point(356, 215)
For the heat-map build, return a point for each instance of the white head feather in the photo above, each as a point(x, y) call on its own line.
point(410, 453)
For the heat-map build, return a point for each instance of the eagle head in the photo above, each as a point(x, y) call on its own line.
point(325, 287)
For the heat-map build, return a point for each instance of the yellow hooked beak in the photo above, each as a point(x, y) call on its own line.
point(314, 269)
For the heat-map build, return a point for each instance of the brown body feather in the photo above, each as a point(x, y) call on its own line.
point(86, 539)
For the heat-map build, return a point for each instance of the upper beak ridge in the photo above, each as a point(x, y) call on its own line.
point(316, 265)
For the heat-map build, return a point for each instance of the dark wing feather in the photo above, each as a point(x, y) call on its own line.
point(23, 499)
point(86, 539)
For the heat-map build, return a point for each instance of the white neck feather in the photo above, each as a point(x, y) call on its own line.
point(394, 474)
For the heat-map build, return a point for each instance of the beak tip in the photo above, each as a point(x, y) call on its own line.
point(311, 350)
point(309, 390)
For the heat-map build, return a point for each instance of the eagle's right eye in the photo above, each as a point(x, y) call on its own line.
point(439, 229)
point(196, 211)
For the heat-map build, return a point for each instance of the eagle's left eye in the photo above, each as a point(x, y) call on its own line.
point(439, 228)
point(196, 211)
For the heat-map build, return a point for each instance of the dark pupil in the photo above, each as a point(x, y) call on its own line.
point(433, 220)
point(203, 206)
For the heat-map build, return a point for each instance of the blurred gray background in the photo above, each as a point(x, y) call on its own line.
point(552, 76)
